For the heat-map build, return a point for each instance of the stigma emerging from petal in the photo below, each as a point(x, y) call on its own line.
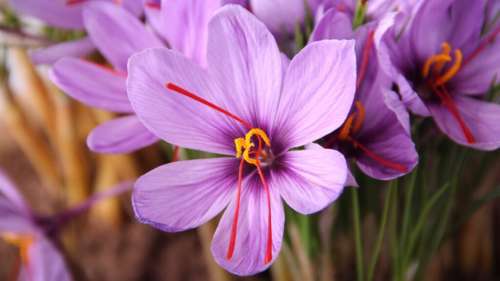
point(437, 76)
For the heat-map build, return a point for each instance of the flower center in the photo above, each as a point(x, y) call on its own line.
point(244, 147)
point(353, 123)
point(440, 68)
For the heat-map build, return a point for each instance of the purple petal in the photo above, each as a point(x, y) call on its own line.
point(15, 216)
point(117, 33)
point(174, 117)
point(389, 140)
point(333, 25)
point(45, 263)
point(482, 118)
point(280, 16)
point(185, 194)
point(9, 191)
point(76, 48)
point(311, 179)
point(467, 19)
point(393, 102)
point(476, 76)
point(53, 12)
point(92, 84)
point(430, 28)
point(246, 60)
point(318, 92)
point(185, 26)
point(121, 135)
point(252, 232)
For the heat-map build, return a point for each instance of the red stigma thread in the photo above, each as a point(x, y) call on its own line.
point(74, 2)
point(108, 69)
point(269, 247)
point(448, 102)
point(153, 5)
point(488, 40)
point(364, 60)
point(184, 92)
point(175, 155)
point(234, 227)
point(378, 158)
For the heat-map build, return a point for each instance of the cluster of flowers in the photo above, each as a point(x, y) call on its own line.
point(208, 75)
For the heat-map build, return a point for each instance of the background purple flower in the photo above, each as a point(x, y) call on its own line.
point(40, 260)
point(443, 65)
point(244, 81)
point(66, 14)
point(117, 34)
point(373, 133)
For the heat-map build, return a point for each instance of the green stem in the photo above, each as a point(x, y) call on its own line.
point(357, 234)
point(380, 237)
point(407, 211)
point(421, 222)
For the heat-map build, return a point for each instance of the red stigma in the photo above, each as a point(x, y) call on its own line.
point(488, 40)
point(364, 60)
point(448, 102)
point(153, 5)
point(379, 159)
point(184, 92)
point(269, 246)
point(175, 155)
point(234, 227)
point(108, 69)
point(74, 2)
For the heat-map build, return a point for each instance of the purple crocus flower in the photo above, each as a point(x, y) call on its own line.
point(443, 65)
point(66, 14)
point(372, 134)
point(39, 258)
point(243, 107)
point(117, 34)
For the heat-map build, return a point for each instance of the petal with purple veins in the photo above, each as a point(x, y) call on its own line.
point(120, 135)
point(92, 84)
point(185, 194)
point(310, 179)
point(251, 242)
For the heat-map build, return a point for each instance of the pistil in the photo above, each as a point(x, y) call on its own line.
point(437, 80)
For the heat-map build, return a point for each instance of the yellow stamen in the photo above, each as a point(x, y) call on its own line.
point(239, 143)
point(257, 132)
point(446, 49)
point(244, 145)
point(22, 242)
point(360, 117)
point(346, 128)
point(452, 70)
point(440, 59)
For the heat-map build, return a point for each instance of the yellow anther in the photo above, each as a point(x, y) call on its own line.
point(360, 117)
point(441, 59)
point(257, 132)
point(446, 49)
point(239, 144)
point(246, 155)
point(346, 128)
point(22, 242)
point(244, 145)
point(452, 70)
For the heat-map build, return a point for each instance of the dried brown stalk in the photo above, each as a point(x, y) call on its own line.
point(205, 233)
point(71, 151)
point(29, 139)
point(34, 90)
